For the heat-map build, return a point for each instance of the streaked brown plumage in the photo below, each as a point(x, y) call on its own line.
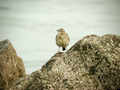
point(62, 39)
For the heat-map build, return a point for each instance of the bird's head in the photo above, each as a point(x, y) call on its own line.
point(60, 30)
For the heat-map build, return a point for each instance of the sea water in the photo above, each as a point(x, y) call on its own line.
point(31, 24)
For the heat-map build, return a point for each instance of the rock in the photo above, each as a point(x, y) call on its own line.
point(11, 65)
point(93, 63)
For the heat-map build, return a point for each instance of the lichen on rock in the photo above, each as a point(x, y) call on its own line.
point(11, 65)
point(93, 63)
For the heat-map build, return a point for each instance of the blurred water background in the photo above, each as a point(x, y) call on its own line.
point(31, 24)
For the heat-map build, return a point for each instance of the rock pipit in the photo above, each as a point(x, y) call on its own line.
point(62, 39)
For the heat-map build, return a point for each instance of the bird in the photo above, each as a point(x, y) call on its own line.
point(62, 39)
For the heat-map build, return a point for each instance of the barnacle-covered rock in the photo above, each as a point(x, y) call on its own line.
point(11, 65)
point(93, 63)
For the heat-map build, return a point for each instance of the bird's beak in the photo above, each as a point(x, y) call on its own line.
point(57, 30)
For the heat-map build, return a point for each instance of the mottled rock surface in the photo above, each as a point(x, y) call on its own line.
point(93, 63)
point(11, 65)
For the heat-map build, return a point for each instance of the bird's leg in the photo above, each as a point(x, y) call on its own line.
point(59, 49)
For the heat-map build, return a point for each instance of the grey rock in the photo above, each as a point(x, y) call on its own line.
point(11, 65)
point(93, 63)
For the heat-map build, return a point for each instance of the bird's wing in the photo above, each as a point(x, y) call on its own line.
point(59, 40)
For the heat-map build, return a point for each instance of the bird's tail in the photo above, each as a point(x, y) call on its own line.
point(63, 48)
